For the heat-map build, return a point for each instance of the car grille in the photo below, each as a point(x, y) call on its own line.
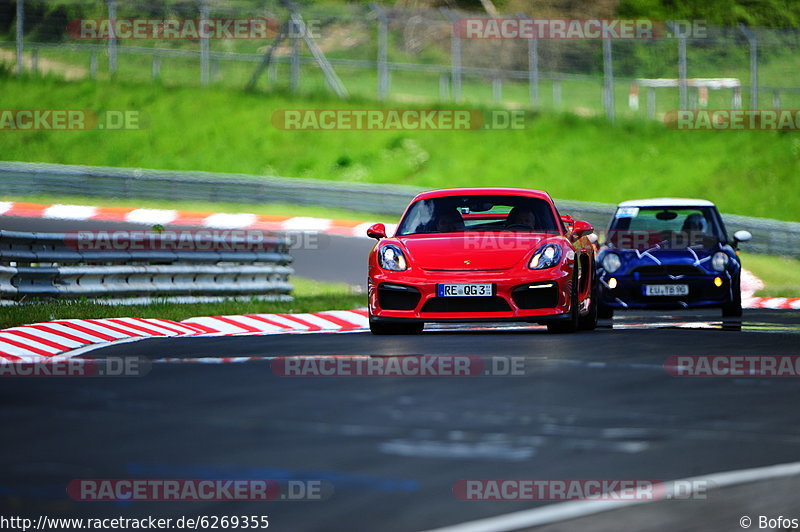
point(544, 295)
point(668, 269)
point(397, 297)
point(466, 304)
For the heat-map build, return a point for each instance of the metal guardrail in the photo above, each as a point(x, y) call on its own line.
point(769, 236)
point(56, 265)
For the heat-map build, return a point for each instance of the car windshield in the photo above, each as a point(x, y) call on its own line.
point(670, 227)
point(479, 213)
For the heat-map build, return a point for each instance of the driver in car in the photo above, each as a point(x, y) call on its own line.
point(521, 217)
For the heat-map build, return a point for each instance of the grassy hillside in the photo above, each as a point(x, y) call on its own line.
point(750, 173)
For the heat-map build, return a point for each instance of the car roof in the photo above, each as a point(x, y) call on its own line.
point(667, 202)
point(494, 191)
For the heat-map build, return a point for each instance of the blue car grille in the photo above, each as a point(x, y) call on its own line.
point(668, 269)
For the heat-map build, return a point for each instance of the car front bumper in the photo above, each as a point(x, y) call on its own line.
point(629, 292)
point(536, 296)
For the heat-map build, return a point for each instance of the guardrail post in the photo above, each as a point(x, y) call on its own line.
point(497, 89)
point(776, 99)
point(20, 35)
point(156, 68)
point(112, 37)
point(651, 102)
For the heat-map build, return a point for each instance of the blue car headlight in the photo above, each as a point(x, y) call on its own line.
point(545, 257)
point(391, 257)
point(611, 262)
point(719, 261)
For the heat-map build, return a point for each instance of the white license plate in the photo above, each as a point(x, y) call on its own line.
point(666, 290)
point(464, 289)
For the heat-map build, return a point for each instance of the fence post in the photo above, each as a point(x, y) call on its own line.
point(444, 87)
point(383, 51)
point(455, 55)
point(753, 41)
point(682, 70)
point(112, 37)
point(776, 99)
point(20, 34)
point(608, 80)
point(203, 46)
point(294, 70)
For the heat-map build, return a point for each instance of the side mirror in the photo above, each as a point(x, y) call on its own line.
point(568, 221)
point(741, 236)
point(377, 231)
point(581, 228)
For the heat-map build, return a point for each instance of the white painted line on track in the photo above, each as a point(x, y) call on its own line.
point(556, 513)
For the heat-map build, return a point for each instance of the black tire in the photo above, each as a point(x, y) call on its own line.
point(570, 325)
point(382, 328)
point(734, 308)
point(604, 312)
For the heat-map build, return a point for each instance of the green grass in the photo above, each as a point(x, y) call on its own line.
point(278, 209)
point(781, 275)
point(309, 296)
point(217, 129)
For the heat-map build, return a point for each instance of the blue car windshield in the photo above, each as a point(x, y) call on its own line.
point(670, 227)
point(479, 213)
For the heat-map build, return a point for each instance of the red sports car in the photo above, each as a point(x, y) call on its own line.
point(482, 254)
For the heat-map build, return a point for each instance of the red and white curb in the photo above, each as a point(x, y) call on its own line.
point(778, 303)
point(67, 338)
point(211, 220)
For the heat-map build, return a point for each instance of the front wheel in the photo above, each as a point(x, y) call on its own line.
point(569, 325)
point(734, 308)
point(604, 312)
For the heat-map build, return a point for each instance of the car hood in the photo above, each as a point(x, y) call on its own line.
point(470, 251)
point(697, 256)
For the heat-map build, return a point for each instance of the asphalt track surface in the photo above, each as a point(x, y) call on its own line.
point(589, 405)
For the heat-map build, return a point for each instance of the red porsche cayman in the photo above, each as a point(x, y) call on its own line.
point(482, 254)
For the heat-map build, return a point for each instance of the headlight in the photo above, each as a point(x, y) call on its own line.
point(720, 261)
point(390, 257)
point(611, 262)
point(546, 256)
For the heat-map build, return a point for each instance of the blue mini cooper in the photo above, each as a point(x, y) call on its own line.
point(669, 253)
